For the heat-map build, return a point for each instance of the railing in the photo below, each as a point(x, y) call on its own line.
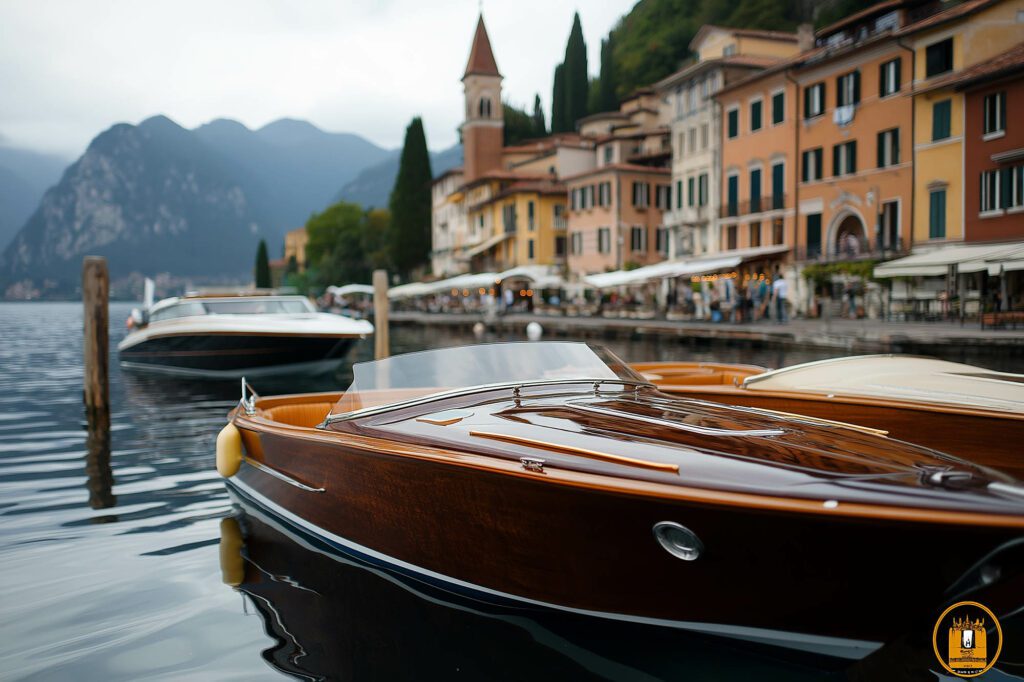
point(560, 223)
point(754, 205)
point(865, 249)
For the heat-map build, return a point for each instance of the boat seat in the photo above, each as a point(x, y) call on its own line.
point(299, 414)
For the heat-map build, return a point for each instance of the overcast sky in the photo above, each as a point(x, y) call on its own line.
point(71, 68)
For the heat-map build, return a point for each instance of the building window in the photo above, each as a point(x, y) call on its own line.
point(606, 194)
point(733, 195)
point(813, 235)
point(939, 58)
point(848, 89)
point(778, 231)
point(679, 194)
point(693, 140)
point(661, 240)
point(778, 185)
point(577, 243)
point(558, 213)
point(733, 117)
point(729, 50)
point(702, 189)
point(529, 249)
point(609, 150)
point(690, 194)
point(814, 100)
point(485, 108)
point(995, 113)
point(889, 77)
point(682, 144)
point(663, 197)
point(778, 108)
point(937, 214)
point(730, 237)
point(638, 239)
point(560, 246)
point(529, 216)
point(991, 191)
point(755, 190)
point(508, 216)
point(812, 163)
point(641, 194)
point(704, 136)
point(755, 115)
point(888, 148)
point(890, 232)
point(844, 158)
point(941, 117)
point(755, 234)
point(1014, 186)
point(590, 196)
point(604, 240)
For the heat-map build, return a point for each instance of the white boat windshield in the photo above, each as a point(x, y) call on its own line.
point(292, 305)
point(415, 376)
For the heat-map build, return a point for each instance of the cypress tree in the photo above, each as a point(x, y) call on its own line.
point(539, 127)
point(262, 266)
point(558, 124)
point(409, 235)
point(576, 79)
point(607, 99)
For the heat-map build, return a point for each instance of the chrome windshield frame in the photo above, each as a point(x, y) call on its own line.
point(515, 386)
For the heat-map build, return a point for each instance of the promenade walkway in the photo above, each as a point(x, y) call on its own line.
point(855, 336)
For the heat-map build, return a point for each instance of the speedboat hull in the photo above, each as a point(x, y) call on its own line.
point(232, 354)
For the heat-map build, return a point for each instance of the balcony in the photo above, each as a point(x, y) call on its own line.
point(866, 250)
point(774, 202)
point(560, 222)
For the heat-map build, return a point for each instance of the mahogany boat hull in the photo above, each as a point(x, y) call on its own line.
point(836, 584)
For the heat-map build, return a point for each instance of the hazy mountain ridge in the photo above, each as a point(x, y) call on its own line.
point(372, 186)
point(156, 197)
point(24, 176)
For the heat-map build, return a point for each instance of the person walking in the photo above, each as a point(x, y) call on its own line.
point(780, 290)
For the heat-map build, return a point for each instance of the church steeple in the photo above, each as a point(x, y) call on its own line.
point(481, 59)
point(483, 125)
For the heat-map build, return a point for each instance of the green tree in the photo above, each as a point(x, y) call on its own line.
point(262, 270)
point(410, 204)
point(518, 125)
point(346, 244)
point(607, 99)
point(540, 129)
point(576, 79)
point(558, 121)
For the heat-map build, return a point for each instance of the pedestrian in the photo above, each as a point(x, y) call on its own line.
point(780, 290)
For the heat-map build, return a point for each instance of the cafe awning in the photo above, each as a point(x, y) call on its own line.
point(350, 289)
point(666, 270)
point(485, 245)
point(935, 262)
point(540, 276)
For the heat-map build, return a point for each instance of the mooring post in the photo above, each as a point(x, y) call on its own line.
point(381, 343)
point(95, 292)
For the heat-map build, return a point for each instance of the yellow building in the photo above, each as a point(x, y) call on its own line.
point(967, 34)
point(295, 247)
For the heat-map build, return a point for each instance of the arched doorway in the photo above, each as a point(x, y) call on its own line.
point(851, 238)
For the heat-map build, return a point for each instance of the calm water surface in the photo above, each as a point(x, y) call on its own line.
point(115, 567)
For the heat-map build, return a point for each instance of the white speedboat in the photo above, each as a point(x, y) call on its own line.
point(231, 335)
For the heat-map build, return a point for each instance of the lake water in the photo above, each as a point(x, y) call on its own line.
point(115, 568)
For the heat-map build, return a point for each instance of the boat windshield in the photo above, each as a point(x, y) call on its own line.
point(259, 306)
point(418, 375)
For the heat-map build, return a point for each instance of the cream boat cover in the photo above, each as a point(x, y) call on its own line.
point(900, 377)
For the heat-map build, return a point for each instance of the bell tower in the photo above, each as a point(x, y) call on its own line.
point(484, 122)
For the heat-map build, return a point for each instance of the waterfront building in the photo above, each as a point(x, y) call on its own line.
point(723, 57)
point(616, 206)
point(295, 247)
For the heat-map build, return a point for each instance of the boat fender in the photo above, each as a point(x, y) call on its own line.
point(232, 566)
point(229, 451)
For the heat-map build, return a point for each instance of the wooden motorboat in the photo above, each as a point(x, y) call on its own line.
point(551, 475)
point(233, 335)
point(971, 412)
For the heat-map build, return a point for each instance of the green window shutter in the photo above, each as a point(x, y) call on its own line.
point(941, 120)
point(689, 192)
point(778, 107)
point(856, 87)
point(733, 194)
point(734, 122)
point(836, 168)
point(839, 91)
point(755, 116)
point(880, 150)
point(814, 234)
point(1004, 187)
point(679, 193)
point(882, 81)
point(851, 156)
point(899, 68)
point(807, 103)
point(896, 145)
point(755, 191)
point(937, 215)
point(803, 166)
point(778, 185)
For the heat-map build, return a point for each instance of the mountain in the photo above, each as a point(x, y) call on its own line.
point(372, 186)
point(156, 197)
point(24, 176)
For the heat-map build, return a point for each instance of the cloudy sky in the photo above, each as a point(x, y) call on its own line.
point(71, 68)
